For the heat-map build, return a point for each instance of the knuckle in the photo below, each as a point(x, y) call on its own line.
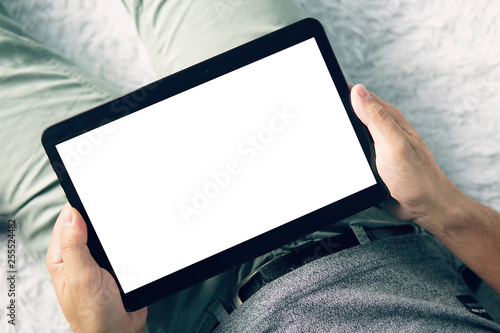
point(67, 243)
point(48, 262)
point(378, 110)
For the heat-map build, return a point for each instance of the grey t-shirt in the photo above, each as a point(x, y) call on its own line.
point(402, 284)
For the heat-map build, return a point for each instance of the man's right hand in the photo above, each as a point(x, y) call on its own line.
point(422, 193)
point(419, 189)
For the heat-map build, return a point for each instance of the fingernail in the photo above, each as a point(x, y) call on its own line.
point(67, 218)
point(363, 93)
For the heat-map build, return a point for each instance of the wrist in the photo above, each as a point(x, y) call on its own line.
point(457, 220)
point(450, 212)
point(472, 232)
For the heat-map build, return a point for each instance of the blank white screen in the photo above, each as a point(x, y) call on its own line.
point(193, 175)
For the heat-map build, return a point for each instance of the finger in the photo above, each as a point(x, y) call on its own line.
point(75, 254)
point(53, 259)
point(375, 115)
point(396, 115)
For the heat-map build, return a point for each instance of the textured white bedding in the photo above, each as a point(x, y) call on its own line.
point(439, 61)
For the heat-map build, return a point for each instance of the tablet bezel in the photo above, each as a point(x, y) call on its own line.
point(187, 79)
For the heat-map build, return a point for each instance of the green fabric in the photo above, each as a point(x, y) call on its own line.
point(37, 88)
point(178, 34)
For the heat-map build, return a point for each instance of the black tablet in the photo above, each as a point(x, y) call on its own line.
point(216, 164)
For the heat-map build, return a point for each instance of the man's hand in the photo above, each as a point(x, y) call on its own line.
point(88, 294)
point(422, 193)
point(419, 189)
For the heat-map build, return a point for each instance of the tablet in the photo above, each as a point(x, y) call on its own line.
point(217, 164)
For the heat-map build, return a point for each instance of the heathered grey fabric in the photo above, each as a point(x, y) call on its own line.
point(403, 284)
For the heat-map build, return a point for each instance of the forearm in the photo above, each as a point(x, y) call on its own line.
point(422, 193)
point(472, 232)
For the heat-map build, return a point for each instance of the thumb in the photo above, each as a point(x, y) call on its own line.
point(377, 115)
point(74, 251)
